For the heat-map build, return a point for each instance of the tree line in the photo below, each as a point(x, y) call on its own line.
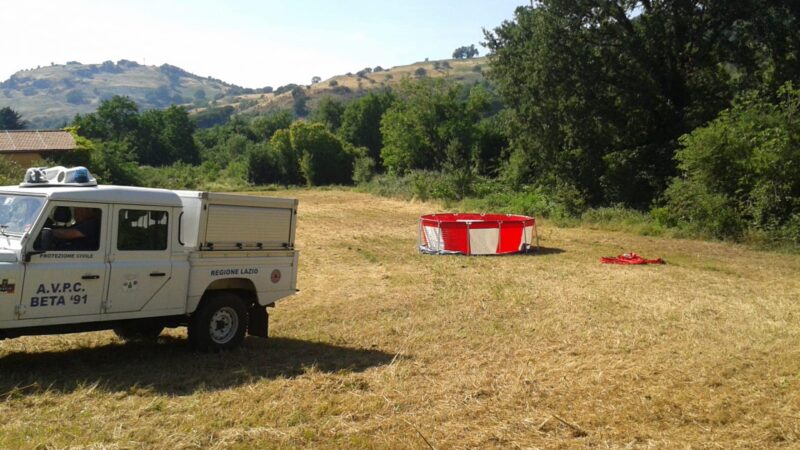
point(685, 108)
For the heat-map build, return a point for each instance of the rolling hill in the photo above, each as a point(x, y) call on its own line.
point(354, 85)
point(48, 97)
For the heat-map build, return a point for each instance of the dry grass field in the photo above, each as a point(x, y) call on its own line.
point(388, 348)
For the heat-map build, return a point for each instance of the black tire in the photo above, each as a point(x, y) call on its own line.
point(145, 331)
point(220, 323)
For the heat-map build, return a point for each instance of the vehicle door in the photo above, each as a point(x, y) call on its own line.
point(68, 277)
point(141, 265)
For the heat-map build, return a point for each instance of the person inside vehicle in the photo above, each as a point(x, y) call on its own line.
point(84, 234)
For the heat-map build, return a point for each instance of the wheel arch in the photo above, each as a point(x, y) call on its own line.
point(243, 287)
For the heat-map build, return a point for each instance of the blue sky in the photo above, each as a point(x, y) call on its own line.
point(249, 43)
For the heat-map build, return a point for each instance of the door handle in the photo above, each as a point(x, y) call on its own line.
point(90, 277)
point(157, 274)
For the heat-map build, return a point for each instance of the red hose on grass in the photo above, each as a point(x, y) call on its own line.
point(629, 259)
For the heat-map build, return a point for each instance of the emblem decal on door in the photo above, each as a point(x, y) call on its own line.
point(276, 276)
point(7, 286)
point(130, 284)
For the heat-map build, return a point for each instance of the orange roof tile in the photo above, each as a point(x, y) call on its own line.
point(35, 141)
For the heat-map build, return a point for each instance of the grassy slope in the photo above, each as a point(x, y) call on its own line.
point(462, 71)
point(387, 348)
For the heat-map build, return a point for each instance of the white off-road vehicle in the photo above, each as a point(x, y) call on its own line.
point(76, 256)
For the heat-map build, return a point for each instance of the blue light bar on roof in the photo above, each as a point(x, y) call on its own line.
point(58, 176)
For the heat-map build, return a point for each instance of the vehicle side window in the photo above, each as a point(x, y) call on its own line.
point(142, 230)
point(73, 229)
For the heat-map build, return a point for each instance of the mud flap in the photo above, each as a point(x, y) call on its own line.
point(259, 321)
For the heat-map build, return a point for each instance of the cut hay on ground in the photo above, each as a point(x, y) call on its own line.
point(387, 348)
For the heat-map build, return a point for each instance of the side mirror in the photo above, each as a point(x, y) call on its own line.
point(47, 239)
point(43, 243)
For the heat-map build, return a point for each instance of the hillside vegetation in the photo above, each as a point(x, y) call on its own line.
point(388, 348)
point(354, 85)
point(50, 96)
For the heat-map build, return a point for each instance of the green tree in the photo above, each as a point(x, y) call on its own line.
point(329, 112)
point(114, 162)
point(166, 137)
point(465, 52)
point(264, 165)
point(300, 99)
point(75, 97)
point(361, 122)
point(264, 127)
point(155, 137)
point(600, 92)
point(116, 119)
point(199, 98)
point(288, 157)
point(431, 124)
point(740, 171)
point(11, 120)
point(491, 143)
point(320, 156)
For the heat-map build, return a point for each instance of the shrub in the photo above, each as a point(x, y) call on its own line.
point(263, 165)
point(75, 97)
point(311, 150)
point(556, 203)
point(740, 171)
point(115, 163)
point(10, 172)
point(363, 169)
point(388, 185)
point(692, 206)
point(421, 185)
point(177, 176)
point(455, 183)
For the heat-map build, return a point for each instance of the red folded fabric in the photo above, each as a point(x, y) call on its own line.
point(629, 258)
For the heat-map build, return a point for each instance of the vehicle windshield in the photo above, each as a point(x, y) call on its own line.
point(18, 212)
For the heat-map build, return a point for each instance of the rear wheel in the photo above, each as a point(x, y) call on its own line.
point(220, 323)
point(144, 331)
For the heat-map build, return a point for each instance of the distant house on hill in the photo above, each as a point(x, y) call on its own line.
point(26, 147)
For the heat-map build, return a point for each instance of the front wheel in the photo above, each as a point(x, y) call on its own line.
point(220, 323)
